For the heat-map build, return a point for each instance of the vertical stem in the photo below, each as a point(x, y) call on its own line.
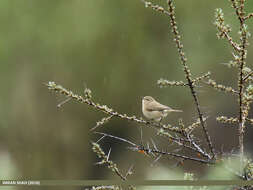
point(243, 38)
point(183, 59)
point(241, 104)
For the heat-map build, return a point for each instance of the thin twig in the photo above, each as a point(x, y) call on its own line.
point(63, 102)
point(129, 171)
point(100, 123)
point(118, 138)
point(247, 76)
point(233, 44)
point(248, 16)
point(159, 152)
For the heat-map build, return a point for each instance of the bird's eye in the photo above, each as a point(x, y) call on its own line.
point(148, 99)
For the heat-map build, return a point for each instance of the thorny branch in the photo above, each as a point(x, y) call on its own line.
point(160, 152)
point(110, 164)
point(155, 150)
point(105, 160)
point(162, 129)
point(182, 136)
point(190, 81)
point(244, 73)
point(239, 9)
point(109, 111)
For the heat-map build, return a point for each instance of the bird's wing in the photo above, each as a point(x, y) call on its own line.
point(158, 107)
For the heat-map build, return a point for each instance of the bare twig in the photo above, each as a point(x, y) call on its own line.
point(129, 171)
point(118, 138)
point(247, 76)
point(160, 152)
point(100, 123)
point(63, 102)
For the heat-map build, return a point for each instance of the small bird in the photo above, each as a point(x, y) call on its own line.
point(153, 110)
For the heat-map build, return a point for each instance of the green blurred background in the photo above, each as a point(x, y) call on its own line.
point(118, 49)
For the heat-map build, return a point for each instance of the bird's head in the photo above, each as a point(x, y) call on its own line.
point(147, 99)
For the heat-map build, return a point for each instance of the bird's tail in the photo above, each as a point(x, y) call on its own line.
point(172, 110)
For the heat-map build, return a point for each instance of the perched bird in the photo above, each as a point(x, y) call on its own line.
point(153, 110)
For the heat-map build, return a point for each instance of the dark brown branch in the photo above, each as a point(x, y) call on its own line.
point(239, 9)
point(183, 59)
point(148, 151)
point(190, 81)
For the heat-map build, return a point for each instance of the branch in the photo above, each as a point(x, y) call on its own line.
point(105, 160)
point(221, 87)
point(239, 9)
point(190, 81)
point(248, 16)
point(162, 129)
point(224, 119)
point(224, 29)
point(159, 152)
point(183, 59)
point(165, 83)
point(247, 76)
point(109, 111)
